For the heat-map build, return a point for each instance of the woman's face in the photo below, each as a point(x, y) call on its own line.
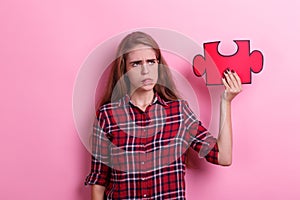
point(142, 68)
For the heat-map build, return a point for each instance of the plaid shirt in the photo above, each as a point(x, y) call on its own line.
point(141, 154)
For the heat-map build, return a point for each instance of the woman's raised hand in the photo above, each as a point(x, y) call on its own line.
point(233, 85)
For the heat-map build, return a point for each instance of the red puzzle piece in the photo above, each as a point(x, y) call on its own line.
point(214, 64)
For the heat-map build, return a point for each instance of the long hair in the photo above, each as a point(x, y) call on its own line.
point(118, 85)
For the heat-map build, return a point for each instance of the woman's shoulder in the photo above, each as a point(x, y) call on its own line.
point(178, 106)
point(179, 102)
point(182, 105)
point(107, 106)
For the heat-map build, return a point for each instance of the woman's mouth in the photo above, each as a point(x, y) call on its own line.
point(147, 81)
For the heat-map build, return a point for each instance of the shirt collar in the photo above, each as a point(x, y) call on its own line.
point(157, 99)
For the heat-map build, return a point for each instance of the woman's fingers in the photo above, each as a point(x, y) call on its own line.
point(231, 80)
point(227, 87)
point(236, 76)
point(232, 83)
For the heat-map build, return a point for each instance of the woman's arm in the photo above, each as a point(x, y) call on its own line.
point(233, 87)
point(97, 192)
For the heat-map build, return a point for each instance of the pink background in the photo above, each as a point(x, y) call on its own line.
point(44, 43)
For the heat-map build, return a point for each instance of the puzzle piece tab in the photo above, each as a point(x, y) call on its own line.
point(213, 64)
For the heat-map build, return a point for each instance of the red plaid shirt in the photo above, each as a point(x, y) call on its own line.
point(141, 154)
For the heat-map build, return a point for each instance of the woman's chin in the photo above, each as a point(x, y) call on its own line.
point(145, 88)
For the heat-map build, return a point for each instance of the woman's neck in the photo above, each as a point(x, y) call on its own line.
point(142, 99)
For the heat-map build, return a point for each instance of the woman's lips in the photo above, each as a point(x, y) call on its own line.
point(147, 81)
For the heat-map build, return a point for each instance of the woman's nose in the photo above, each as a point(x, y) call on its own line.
point(145, 69)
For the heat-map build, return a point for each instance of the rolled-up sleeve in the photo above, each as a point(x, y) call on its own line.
point(100, 159)
point(213, 154)
point(99, 173)
point(200, 139)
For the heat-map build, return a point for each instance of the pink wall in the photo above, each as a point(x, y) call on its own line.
point(44, 43)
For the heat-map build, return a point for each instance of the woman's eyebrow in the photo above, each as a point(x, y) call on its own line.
point(135, 61)
point(148, 59)
point(151, 59)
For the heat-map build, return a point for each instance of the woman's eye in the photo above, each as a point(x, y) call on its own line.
point(151, 62)
point(136, 64)
point(140, 63)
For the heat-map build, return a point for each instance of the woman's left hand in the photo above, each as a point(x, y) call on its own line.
point(233, 85)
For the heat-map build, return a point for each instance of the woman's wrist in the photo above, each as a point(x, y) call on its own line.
point(225, 99)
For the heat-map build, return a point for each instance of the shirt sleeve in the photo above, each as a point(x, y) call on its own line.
point(200, 139)
point(100, 162)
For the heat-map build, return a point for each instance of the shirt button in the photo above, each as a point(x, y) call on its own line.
point(143, 162)
point(144, 130)
point(145, 195)
point(143, 179)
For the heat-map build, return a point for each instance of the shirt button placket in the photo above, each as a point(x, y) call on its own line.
point(144, 183)
point(143, 164)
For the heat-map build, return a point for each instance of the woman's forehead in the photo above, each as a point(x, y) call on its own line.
point(141, 52)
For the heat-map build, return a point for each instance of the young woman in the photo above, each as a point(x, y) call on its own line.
point(143, 129)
